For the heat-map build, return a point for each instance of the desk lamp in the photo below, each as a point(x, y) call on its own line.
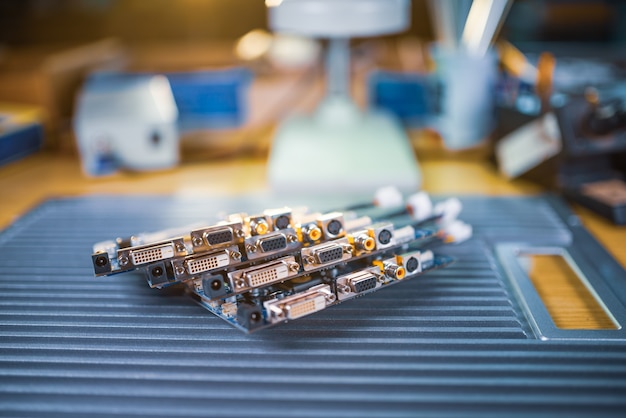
point(339, 147)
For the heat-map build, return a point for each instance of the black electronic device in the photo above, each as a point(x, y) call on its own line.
point(592, 164)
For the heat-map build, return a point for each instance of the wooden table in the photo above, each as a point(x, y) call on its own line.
point(26, 183)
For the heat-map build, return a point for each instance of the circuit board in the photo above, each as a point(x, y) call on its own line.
point(257, 271)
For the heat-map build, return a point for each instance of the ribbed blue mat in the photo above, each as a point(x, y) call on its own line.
point(453, 342)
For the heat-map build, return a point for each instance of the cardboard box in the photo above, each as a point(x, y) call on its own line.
point(49, 77)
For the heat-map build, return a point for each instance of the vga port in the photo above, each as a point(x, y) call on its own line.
point(220, 236)
point(329, 254)
point(352, 284)
point(326, 254)
point(275, 243)
point(363, 282)
point(152, 254)
point(217, 235)
point(260, 246)
point(207, 263)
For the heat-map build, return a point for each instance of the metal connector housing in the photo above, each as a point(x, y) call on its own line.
point(131, 257)
point(261, 246)
point(258, 224)
point(383, 234)
point(192, 266)
point(264, 274)
point(332, 225)
point(412, 263)
point(217, 236)
point(392, 268)
point(362, 242)
point(279, 218)
point(206, 263)
point(355, 283)
point(301, 304)
point(326, 254)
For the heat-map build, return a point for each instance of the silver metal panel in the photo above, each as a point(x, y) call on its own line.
point(453, 342)
point(536, 313)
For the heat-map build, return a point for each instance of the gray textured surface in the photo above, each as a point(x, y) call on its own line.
point(451, 342)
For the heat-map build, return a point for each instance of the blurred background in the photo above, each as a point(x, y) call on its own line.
point(66, 65)
point(33, 22)
point(41, 65)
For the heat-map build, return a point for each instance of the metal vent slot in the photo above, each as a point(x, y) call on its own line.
point(540, 274)
point(555, 279)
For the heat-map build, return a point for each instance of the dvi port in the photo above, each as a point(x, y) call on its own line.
point(275, 243)
point(206, 263)
point(329, 254)
point(267, 275)
point(264, 274)
point(152, 254)
point(305, 306)
point(300, 304)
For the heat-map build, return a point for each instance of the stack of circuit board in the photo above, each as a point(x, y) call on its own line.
point(256, 271)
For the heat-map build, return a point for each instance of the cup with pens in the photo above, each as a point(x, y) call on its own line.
point(466, 66)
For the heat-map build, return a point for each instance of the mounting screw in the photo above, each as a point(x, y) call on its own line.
point(235, 255)
point(250, 248)
point(292, 238)
point(123, 260)
point(197, 241)
point(180, 270)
